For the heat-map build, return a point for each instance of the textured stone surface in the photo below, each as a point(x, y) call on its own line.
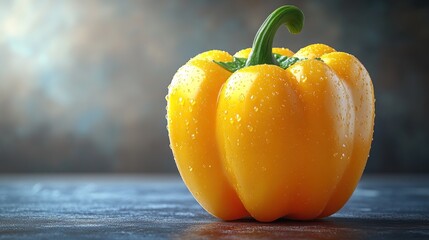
point(146, 207)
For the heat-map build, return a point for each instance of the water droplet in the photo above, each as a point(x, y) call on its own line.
point(192, 101)
point(255, 108)
point(344, 145)
point(193, 136)
point(190, 169)
point(250, 128)
point(252, 97)
point(241, 97)
point(238, 117)
point(225, 112)
point(231, 120)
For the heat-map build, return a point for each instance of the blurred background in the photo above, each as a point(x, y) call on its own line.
point(82, 83)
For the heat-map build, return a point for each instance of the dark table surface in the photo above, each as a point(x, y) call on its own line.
point(156, 207)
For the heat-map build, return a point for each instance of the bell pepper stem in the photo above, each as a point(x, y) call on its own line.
point(262, 46)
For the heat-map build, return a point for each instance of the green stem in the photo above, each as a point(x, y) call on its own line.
point(262, 46)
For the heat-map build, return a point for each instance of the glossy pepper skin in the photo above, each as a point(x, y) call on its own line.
point(269, 142)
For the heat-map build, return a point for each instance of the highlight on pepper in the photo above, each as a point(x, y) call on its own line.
point(268, 133)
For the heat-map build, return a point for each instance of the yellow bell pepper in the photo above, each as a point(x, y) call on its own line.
point(268, 133)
